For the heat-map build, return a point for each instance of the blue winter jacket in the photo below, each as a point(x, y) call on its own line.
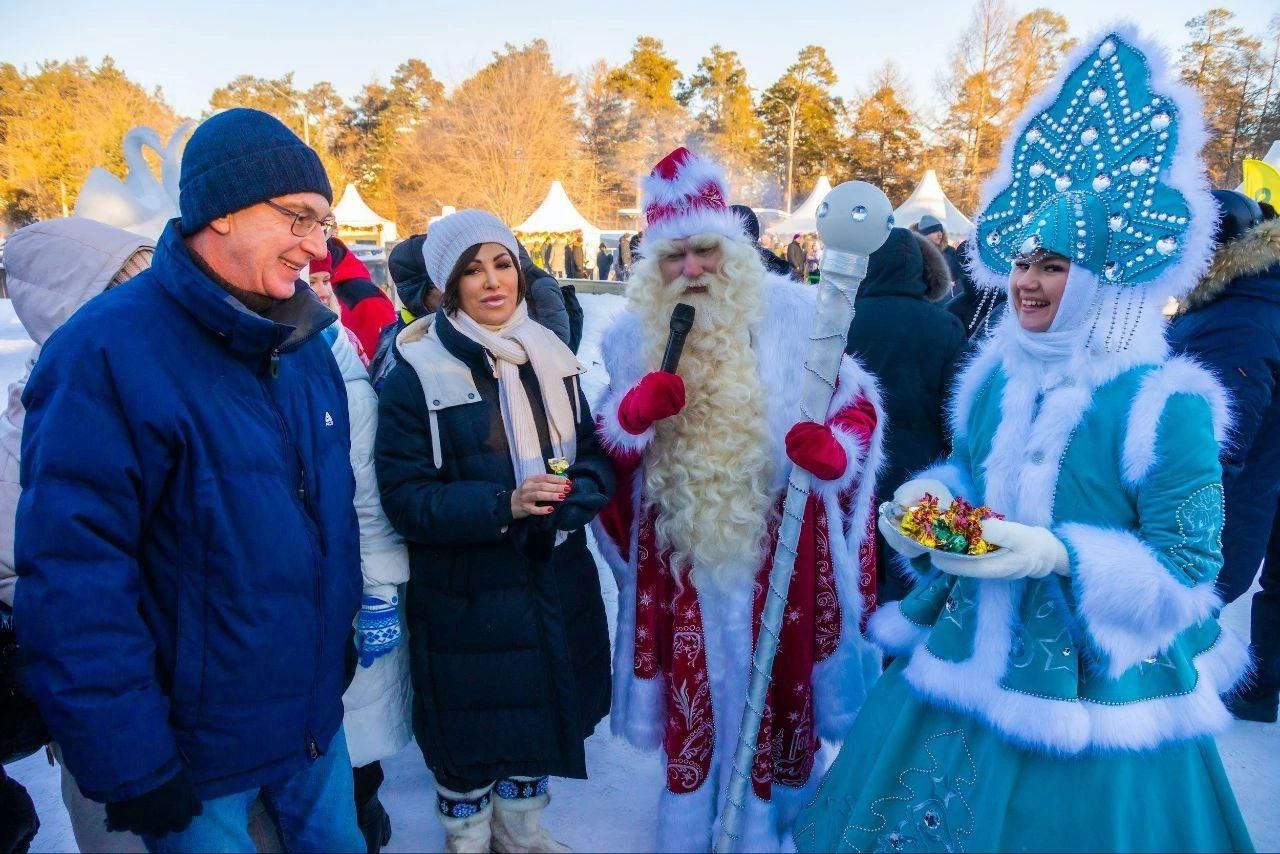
point(1232, 324)
point(187, 549)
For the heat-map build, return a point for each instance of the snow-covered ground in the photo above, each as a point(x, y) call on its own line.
point(614, 810)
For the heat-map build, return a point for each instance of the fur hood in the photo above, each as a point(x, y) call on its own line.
point(1253, 252)
point(937, 275)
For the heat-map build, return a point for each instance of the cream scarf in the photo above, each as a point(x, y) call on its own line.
point(517, 342)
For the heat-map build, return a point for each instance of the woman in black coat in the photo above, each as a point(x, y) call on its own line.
point(509, 647)
point(913, 346)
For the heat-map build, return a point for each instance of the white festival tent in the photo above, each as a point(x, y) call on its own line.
point(356, 219)
point(928, 198)
point(804, 219)
point(557, 215)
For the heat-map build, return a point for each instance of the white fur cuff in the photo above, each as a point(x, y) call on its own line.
point(1132, 605)
point(613, 436)
point(953, 478)
point(855, 453)
point(894, 633)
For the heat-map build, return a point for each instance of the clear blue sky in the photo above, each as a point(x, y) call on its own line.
point(190, 48)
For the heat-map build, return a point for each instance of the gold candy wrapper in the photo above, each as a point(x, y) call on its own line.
point(558, 465)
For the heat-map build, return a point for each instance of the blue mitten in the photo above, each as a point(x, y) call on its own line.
point(377, 628)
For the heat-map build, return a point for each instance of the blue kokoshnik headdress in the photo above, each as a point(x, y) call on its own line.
point(1104, 169)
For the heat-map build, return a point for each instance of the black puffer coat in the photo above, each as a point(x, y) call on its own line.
point(914, 348)
point(509, 658)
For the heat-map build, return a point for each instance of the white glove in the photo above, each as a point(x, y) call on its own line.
point(908, 495)
point(911, 492)
point(1026, 552)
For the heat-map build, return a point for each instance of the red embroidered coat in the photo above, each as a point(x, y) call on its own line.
point(682, 655)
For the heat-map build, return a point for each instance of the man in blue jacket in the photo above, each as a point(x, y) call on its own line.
point(187, 544)
point(1231, 322)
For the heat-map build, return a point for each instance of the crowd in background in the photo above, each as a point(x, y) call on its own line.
point(246, 692)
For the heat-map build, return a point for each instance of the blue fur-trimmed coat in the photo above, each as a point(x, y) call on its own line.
point(1118, 456)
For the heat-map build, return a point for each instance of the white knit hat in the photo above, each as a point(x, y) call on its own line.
point(454, 234)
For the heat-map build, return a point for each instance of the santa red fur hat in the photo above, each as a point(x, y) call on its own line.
point(685, 195)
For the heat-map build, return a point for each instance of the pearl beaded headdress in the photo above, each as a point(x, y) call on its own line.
point(1104, 169)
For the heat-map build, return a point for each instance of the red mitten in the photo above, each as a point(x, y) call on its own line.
point(814, 448)
point(658, 395)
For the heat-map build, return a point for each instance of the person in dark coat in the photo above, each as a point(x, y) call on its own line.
point(509, 647)
point(604, 262)
point(751, 224)
point(187, 550)
point(914, 347)
point(1231, 323)
point(624, 257)
point(931, 227)
point(418, 298)
point(797, 258)
point(546, 300)
point(978, 310)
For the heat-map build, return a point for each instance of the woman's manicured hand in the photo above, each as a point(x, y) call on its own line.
point(547, 489)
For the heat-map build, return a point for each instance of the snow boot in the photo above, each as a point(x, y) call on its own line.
point(467, 818)
point(517, 817)
point(374, 823)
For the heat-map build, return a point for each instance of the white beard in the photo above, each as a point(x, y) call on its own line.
point(708, 470)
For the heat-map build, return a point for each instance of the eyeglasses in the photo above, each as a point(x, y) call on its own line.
point(305, 222)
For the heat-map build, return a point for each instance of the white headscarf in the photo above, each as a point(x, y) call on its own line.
point(1069, 331)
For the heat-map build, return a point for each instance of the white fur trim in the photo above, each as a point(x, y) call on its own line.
point(1150, 723)
point(973, 686)
point(1133, 607)
point(894, 633)
point(950, 476)
point(616, 438)
point(638, 711)
point(1179, 375)
point(695, 221)
point(691, 176)
point(864, 458)
point(1186, 171)
point(975, 373)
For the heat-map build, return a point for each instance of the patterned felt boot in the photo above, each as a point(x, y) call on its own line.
point(517, 818)
point(467, 818)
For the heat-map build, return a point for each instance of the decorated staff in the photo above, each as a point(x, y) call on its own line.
point(853, 220)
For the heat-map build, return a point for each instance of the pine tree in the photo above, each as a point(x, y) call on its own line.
point(61, 121)
point(1225, 66)
point(885, 144)
point(648, 84)
point(725, 122)
point(603, 119)
point(805, 89)
point(973, 93)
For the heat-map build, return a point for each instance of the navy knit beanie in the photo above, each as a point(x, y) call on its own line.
point(239, 158)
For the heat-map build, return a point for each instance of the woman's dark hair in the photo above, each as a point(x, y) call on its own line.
point(450, 302)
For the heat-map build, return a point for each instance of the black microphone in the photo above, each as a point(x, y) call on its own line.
point(681, 323)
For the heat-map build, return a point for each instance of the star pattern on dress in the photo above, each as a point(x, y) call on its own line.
point(1058, 651)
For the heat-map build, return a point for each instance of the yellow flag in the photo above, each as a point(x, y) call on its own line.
point(1261, 182)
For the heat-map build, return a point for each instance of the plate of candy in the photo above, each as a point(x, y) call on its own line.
point(955, 531)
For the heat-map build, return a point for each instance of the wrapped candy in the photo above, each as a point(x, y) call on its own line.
point(957, 530)
point(558, 465)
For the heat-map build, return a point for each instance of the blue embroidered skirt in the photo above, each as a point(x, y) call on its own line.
point(913, 776)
